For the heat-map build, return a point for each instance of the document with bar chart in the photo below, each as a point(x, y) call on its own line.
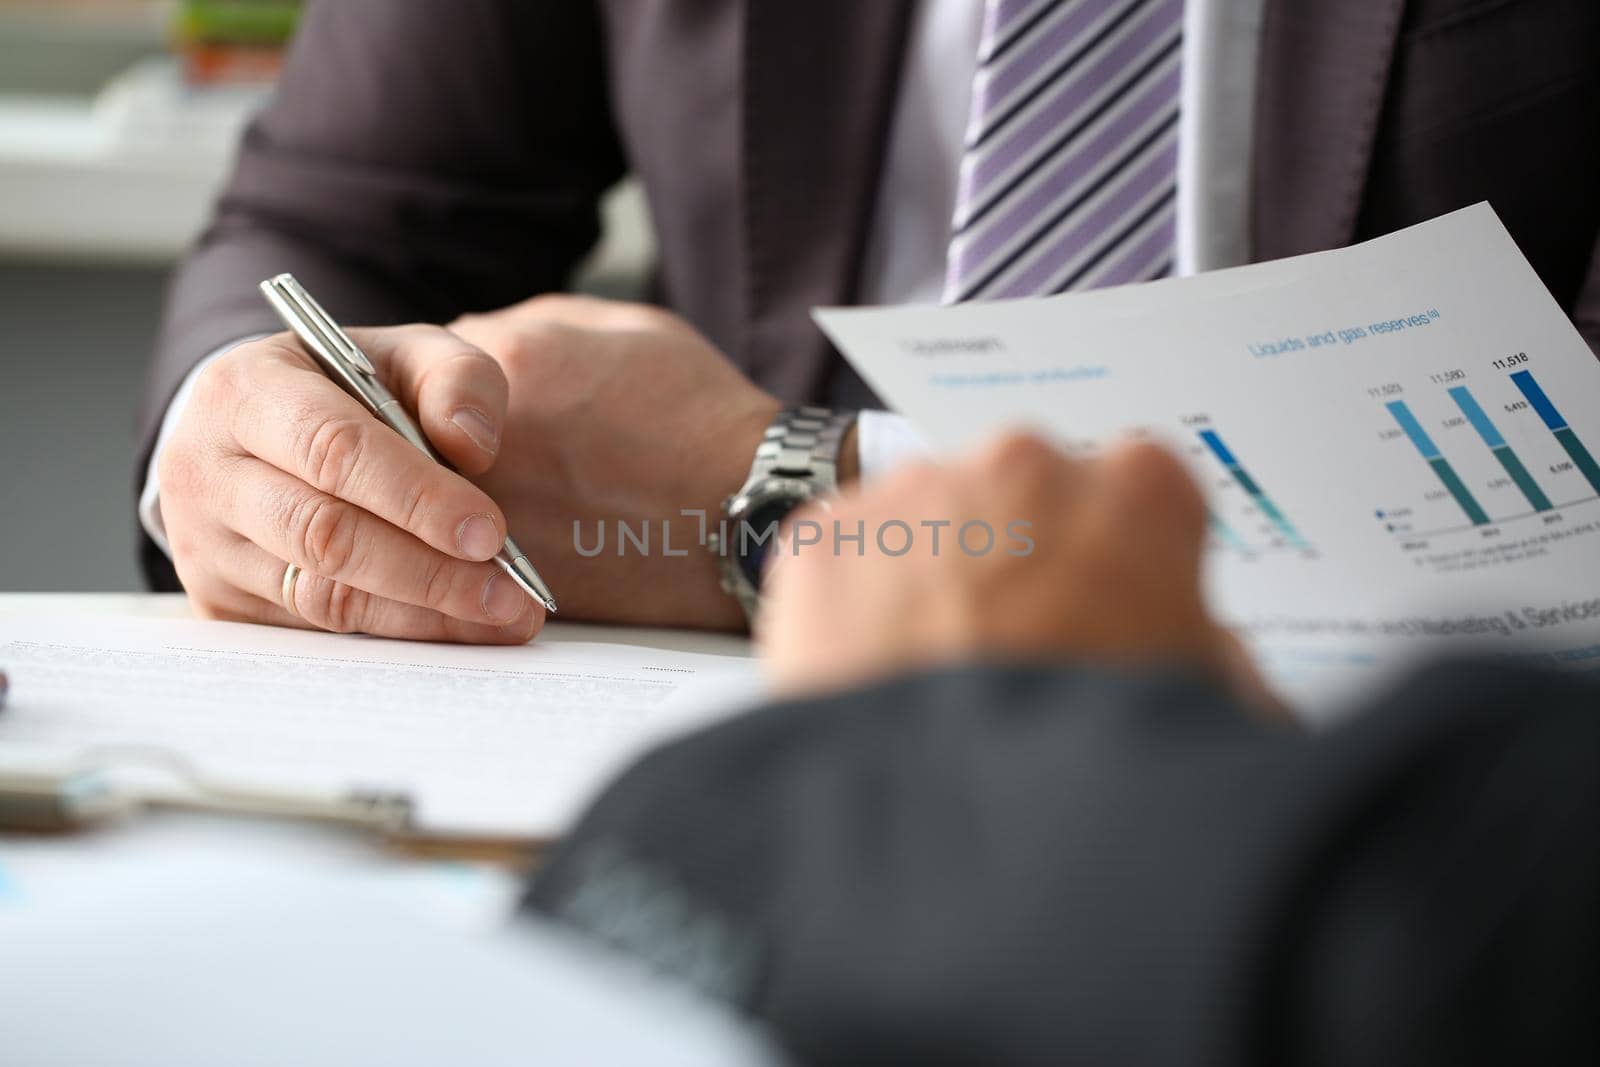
point(1398, 440)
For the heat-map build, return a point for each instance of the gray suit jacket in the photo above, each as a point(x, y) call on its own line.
point(1065, 865)
point(424, 159)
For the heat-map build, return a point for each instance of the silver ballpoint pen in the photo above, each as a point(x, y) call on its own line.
point(342, 360)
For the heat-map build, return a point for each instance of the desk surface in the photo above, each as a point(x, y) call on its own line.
point(183, 939)
point(175, 606)
point(233, 854)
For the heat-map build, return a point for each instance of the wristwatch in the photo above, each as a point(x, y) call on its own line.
point(797, 461)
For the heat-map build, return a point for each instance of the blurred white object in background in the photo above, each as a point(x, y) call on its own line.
point(151, 111)
point(129, 175)
point(99, 166)
point(73, 47)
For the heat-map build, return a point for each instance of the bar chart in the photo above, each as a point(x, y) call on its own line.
point(1497, 444)
point(1257, 496)
point(1493, 468)
point(1535, 395)
point(1441, 466)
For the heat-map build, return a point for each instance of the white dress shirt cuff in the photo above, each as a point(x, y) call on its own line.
point(884, 441)
point(150, 496)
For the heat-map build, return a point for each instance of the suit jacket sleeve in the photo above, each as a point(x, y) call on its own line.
point(419, 160)
point(1058, 866)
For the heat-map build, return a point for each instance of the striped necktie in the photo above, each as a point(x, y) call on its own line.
point(1070, 174)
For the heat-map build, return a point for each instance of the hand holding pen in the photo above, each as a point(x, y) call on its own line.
point(349, 368)
point(285, 501)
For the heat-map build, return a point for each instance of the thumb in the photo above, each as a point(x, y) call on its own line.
point(457, 391)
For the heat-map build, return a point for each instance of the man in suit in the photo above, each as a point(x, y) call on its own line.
point(1024, 811)
point(421, 165)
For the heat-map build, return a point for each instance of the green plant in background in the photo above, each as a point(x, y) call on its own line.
point(249, 23)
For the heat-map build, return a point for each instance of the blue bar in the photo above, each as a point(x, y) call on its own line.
point(1218, 449)
point(1541, 403)
point(1408, 422)
point(1475, 415)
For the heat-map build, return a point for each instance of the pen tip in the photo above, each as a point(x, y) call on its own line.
point(550, 606)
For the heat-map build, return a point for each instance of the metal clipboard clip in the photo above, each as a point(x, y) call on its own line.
point(86, 796)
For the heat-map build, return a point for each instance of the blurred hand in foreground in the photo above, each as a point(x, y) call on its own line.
point(1016, 553)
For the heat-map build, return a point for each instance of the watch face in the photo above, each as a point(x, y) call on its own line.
point(755, 535)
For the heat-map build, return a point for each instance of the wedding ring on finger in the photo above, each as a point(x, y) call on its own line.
point(291, 575)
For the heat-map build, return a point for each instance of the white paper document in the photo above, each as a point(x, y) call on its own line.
point(1399, 441)
point(494, 740)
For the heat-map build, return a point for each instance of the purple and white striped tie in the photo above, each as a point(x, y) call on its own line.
point(1069, 179)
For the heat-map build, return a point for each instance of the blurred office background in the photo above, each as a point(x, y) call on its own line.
point(117, 124)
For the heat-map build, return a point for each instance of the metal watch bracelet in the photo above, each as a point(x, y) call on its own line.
point(804, 442)
point(797, 459)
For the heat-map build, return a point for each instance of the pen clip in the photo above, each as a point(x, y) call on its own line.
point(312, 314)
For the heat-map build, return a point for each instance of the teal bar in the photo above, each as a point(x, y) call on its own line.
point(1580, 456)
point(1226, 532)
point(1408, 422)
point(1519, 474)
point(1266, 505)
point(1247, 483)
point(1497, 444)
point(1447, 475)
point(1477, 416)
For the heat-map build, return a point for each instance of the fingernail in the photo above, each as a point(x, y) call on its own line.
point(478, 539)
point(475, 424)
point(502, 600)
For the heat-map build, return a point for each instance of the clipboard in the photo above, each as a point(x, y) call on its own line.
point(85, 798)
